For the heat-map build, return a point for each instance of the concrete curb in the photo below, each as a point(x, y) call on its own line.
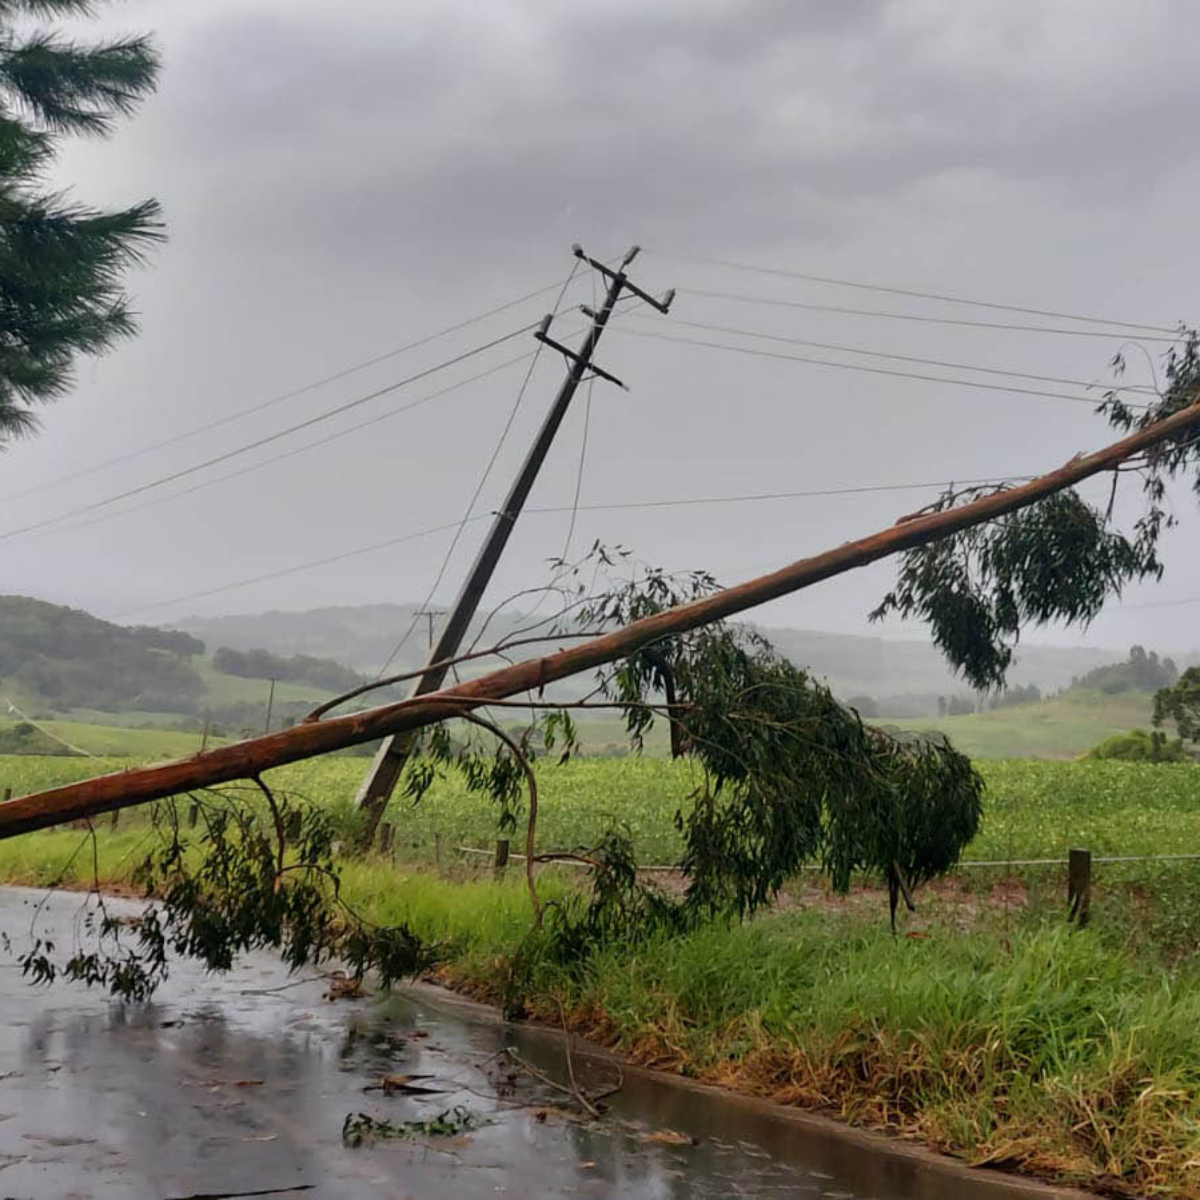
point(873, 1161)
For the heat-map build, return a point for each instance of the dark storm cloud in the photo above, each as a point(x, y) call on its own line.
point(334, 175)
point(444, 128)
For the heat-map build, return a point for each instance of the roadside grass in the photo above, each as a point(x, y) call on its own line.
point(1013, 1041)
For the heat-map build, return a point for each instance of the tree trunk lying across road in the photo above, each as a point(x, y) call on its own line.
point(245, 760)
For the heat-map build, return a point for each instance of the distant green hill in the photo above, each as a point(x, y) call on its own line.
point(57, 661)
point(70, 659)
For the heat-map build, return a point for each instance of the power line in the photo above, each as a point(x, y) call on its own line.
point(290, 395)
point(583, 449)
point(940, 296)
point(689, 501)
point(292, 570)
point(583, 442)
point(549, 509)
point(897, 316)
point(487, 471)
point(825, 362)
point(1161, 603)
point(266, 462)
point(264, 441)
point(931, 362)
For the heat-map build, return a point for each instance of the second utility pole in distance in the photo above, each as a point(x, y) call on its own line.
point(392, 755)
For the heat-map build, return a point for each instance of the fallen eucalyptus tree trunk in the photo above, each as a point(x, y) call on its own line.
point(248, 759)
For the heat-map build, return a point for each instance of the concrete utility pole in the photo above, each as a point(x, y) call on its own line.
point(391, 757)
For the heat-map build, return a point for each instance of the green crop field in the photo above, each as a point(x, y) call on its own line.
point(1032, 809)
point(111, 741)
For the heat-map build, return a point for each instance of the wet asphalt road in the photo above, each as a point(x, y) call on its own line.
point(239, 1085)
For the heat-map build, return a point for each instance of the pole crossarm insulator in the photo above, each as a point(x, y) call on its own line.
point(567, 352)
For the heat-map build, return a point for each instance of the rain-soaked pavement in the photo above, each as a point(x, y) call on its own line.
point(223, 1087)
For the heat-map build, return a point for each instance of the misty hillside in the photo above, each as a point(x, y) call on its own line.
point(362, 637)
point(63, 660)
point(58, 660)
point(879, 666)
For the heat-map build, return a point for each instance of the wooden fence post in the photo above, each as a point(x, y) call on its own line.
point(193, 814)
point(7, 794)
point(1079, 886)
point(387, 837)
point(501, 856)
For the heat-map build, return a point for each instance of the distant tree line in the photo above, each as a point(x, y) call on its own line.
point(1141, 673)
point(300, 668)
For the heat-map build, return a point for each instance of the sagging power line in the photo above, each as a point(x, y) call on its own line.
point(287, 454)
point(734, 331)
point(756, 352)
point(294, 393)
point(914, 293)
point(922, 318)
point(558, 509)
point(328, 414)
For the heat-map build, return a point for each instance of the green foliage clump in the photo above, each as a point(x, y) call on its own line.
point(1012, 696)
point(254, 878)
point(1181, 704)
point(1058, 559)
point(24, 738)
point(787, 775)
point(1141, 746)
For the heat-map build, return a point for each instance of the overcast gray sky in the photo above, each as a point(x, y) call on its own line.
point(342, 179)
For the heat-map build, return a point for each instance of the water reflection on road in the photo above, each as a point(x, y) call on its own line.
point(239, 1084)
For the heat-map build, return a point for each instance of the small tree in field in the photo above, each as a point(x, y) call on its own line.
point(61, 262)
point(1181, 704)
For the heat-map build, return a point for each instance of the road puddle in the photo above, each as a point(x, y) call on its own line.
point(256, 1084)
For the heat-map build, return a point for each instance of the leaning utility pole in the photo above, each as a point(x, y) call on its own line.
point(391, 757)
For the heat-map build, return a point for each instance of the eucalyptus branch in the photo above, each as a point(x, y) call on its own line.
point(531, 828)
point(277, 818)
point(495, 612)
point(498, 650)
